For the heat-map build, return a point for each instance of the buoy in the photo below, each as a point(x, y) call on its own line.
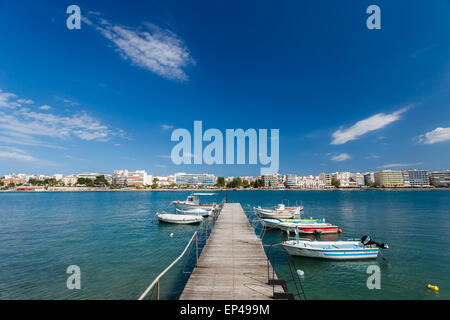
point(340, 230)
point(431, 287)
point(301, 273)
point(171, 235)
point(310, 218)
point(293, 217)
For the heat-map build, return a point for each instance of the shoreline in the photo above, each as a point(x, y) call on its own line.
point(213, 190)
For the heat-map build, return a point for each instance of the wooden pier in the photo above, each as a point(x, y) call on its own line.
point(233, 264)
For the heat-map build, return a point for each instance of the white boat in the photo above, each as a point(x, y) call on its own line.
point(304, 226)
point(193, 202)
point(179, 218)
point(197, 212)
point(279, 212)
point(334, 250)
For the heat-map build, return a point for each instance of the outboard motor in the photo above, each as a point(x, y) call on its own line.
point(368, 242)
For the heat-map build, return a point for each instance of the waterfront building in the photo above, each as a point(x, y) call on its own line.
point(89, 175)
point(229, 179)
point(440, 179)
point(291, 181)
point(70, 180)
point(369, 178)
point(419, 178)
point(7, 180)
point(119, 177)
point(310, 182)
point(389, 178)
point(195, 179)
point(249, 179)
point(139, 178)
point(325, 178)
point(57, 177)
point(163, 181)
point(272, 180)
point(359, 180)
point(406, 180)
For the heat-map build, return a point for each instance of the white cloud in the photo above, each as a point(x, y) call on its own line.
point(20, 125)
point(45, 107)
point(25, 101)
point(152, 48)
point(16, 156)
point(399, 165)
point(436, 135)
point(5, 98)
point(341, 157)
point(375, 122)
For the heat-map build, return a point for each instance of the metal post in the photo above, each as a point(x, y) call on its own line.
point(196, 249)
point(157, 290)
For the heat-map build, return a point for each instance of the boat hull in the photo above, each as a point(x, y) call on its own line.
point(180, 205)
point(196, 212)
point(334, 254)
point(179, 219)
point(304, 228)
point(274, 215)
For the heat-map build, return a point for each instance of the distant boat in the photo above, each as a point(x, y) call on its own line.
point(279, 212)
point(193, 202)
point(303, 225)
point(179, 218)
point(334, 250)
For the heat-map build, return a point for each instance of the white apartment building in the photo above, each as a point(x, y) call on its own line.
point(70, 180)
point(57, 176)
point(139, 178)
point(119, 177)
point(310, 182)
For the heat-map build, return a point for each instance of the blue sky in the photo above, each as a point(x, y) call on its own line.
point(108, 96)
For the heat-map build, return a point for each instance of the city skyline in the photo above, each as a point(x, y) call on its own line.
point(109, 95)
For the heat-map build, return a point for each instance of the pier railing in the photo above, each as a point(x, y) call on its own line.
point(154, 287)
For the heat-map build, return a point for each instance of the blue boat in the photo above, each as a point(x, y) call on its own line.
point(334, 250)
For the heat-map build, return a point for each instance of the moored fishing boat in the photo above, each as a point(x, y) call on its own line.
point(334, 250)
point(279, 212)
point(193, 202)
point(197, 211)
point(179, 218)
point(303, 225)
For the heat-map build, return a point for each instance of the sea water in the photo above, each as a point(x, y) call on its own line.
point(120, 246)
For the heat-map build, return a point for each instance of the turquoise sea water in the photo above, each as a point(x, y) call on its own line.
point(120, 247)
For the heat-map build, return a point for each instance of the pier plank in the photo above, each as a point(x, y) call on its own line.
point(233, 264)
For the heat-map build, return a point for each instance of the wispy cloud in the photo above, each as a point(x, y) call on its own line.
point(25, 101)
point(166, 127)
point(435, 136)
point(399, 165)
point(341, 157)
point(5, 100)
point(21, 125)
point(15, 154)
point(375, 122)
point(150, 47)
